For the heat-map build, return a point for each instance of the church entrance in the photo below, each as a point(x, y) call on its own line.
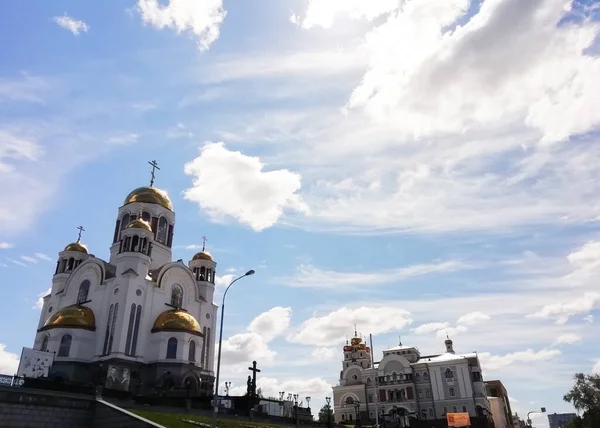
point(398, 416)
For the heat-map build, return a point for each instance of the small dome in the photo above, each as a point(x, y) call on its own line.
point(355, 341)
point(448, 342)
point(72, 317)
point(203, 255)
point(150, 195)
point(177, 320)
point(77, 246)
point(139, 224)
point(347, 348)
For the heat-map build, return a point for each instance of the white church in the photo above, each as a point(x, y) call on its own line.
point(405, 387)
point(140, 311)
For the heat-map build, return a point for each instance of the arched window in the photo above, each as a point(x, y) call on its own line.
point(134, 243)
point(451, 392)
point(84, 289)
point(349, 400)
point(192, 351)
point(146, 217)
point(130, 330)
point(125, 221)
point(203, 348)
point(71, 264)
point(161, 234)
point(172, 348)
point(44, 344)
point(368, 381)
point(177, 296)
point(202, 273)
point(394, 376)
point(449, 374)
point(65, 346)
point(425, 376)
point(343, 417)
point(424, 414)
point(417, 377)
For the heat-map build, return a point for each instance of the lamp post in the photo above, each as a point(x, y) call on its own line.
point(308, 403)
point(357, 408)
point(542, 410)
point(296, 409)
point(328, 400)
point(216, 395)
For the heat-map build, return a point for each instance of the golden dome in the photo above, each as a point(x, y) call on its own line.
point(177, 320)
point(203, 255)
point(72, 317)
point(149, 195)
point(139, 224)
point(77, 246)
point(448, 342)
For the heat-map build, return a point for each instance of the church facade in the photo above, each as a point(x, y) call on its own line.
point(406, 388)
point(140, 311)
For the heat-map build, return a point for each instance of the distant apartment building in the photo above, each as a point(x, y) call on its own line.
point(501, 410)
point(560, 420)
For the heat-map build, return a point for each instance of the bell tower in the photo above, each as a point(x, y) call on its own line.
point(203, 267)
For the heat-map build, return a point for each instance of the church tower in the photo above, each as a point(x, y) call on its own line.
point(356, 353)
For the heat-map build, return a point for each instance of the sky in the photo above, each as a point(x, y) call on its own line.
point(417, 167)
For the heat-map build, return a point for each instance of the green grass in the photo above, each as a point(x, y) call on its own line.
point(175, 420)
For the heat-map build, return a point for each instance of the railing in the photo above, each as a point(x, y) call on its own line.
point(7, 380)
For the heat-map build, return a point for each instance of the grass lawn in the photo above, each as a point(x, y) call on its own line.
point(175, 420)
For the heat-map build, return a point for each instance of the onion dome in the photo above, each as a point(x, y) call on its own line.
point(203, 255)
point(139, 224)
point(448, 341)
point(149, 195)
point(368, 349)
point(75, 316)
point(177, 320)
point(347, 348)
point(361, 346)
point(77, 246)
point(355, 341)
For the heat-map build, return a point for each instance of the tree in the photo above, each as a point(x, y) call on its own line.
point(585, 397)
point(325, 413)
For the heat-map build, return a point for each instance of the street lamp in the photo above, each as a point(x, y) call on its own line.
point(308, 403)
point(328, 400)
point(296, 409)
point(357, 408)
point(216, 396)
point(542, 410)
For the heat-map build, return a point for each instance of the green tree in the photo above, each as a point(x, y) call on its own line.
point(324, 413)
point(585, 397)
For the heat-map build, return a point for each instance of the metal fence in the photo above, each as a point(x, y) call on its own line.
point(7, 380)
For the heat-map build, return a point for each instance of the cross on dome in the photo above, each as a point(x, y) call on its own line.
point(155, 166)
point(81, 229)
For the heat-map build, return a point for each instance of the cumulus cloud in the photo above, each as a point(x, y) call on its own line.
point(200, 18)
point(567, 339)
point(9, 362)
point(430, 327)
point(473, 318)
point(242, 348)
point(309, 276)
point(496, 362)
point(596, 368)
point(272, 323)
point(562, 311)
point(325, 354)
point(323, 12)
point(231, 184)
point(73, 25)
point(332, 328)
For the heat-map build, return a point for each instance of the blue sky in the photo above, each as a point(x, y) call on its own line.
point(415, 167)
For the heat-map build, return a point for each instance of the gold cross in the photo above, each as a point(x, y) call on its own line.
point(154, 167)
point(203, 243)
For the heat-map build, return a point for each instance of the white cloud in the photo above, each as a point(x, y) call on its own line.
point(272, 323)
point(123, 139)
point(6, 245)
point(431, 79)
point(495, 362)
point(323, 12)
point(25, 88)
point(451, 331)
point(39, 303)
point(43, 256)
point(430, 327)
point(596, 368)
point(16, 262)
point(473, 318)
point(29, 259)
point(9, 362)
point(331, 328)
point(568, 339)
point(561, 312)
point(73, 25)
point(230, 184)
point(589, 319)
point(252, 345)
point(201, 18)
point(308, 276)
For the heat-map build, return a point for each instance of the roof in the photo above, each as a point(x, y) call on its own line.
point(444, 357)
point(399, 348)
